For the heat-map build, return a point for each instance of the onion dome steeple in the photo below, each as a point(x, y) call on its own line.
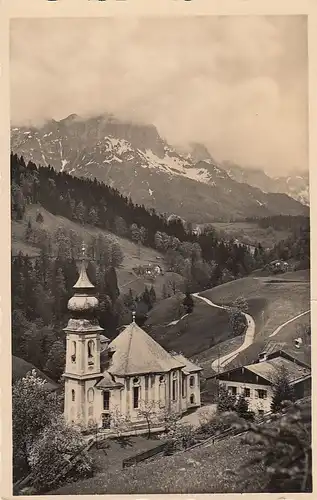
point(83, 302)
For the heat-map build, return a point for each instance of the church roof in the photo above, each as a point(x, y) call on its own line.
point(189, 366)
point(108, 382)
point(136, 353)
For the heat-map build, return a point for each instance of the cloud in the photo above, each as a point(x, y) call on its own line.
point(236, 84)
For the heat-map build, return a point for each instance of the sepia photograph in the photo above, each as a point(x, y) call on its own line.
point(160, 255)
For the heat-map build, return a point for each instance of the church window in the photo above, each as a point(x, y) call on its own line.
point(184, 386)
point(162, 379)
point(90, 395)
point(174, 393)
point(91, 346)
point(146, 385)
point(192, 399)
point(105, 420)
point(73, 395)
point(106, 400)
point(73, 355)
point(136, 392)
point(136, 380)
point(192, 381)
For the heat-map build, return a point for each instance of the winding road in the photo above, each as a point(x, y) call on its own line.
point(248, 338)
point(249, 334)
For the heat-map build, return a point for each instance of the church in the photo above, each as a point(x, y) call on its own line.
point(105, 379)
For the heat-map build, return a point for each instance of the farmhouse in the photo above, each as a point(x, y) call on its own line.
point(105, 379)
point(256, 381)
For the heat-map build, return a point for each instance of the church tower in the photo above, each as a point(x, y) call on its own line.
point(82, 350)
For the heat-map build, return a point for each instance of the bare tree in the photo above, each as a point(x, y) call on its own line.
point(150, 411)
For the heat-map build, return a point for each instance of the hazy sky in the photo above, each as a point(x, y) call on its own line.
point(236, 84)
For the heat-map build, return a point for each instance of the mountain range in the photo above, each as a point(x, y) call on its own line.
point(134, 159)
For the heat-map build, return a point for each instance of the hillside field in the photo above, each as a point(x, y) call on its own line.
point(284, 300)
point(194, 333)
point(251, 233)
point(205, 333)
point(220, 468)
point(132, 258)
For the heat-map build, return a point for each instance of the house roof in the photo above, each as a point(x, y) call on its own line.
point(136, 352)
point(302, 355)
point(269, 369)
point(189, 366)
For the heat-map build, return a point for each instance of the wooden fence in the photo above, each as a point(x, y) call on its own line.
point(144, 455)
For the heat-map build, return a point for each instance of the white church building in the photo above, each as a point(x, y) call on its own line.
point(105, 379)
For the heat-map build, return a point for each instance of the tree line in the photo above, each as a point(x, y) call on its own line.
point(86, 201)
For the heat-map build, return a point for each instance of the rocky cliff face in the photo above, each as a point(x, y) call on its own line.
point(134, 159)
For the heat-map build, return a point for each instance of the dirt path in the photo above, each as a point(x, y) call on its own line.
point(287, 322)
point(249, 334)
point(248, 338)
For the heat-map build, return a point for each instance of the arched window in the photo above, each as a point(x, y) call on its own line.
point(73, 355)
point(106, 400)
point(90, 395)
point(73, 395)
point(192, 381)
point(91, 348)
point(184, 379)
point(174, 386)
point(192, 399)
point(136, 396)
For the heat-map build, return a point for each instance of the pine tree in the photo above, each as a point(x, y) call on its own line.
point(152, 296)
point(29, 232)
point(226, 401)
point(93, 216)
point(55, 363)
point(188, 303)
point(80, 212)
point(282, 391)
point(242, 408)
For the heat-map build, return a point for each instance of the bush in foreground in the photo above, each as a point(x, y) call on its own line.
point(52, 452)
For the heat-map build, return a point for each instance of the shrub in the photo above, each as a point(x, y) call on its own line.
point(53, 451)
point(284, 448)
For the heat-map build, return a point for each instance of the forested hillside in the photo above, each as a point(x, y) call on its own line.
point(42, 285)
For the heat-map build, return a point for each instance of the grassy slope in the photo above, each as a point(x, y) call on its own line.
point(271, 304)
point(220, 468)
point(195, 333)
point(251, 233)
point(204, 334)
point(126, 277)
point(282, 300)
